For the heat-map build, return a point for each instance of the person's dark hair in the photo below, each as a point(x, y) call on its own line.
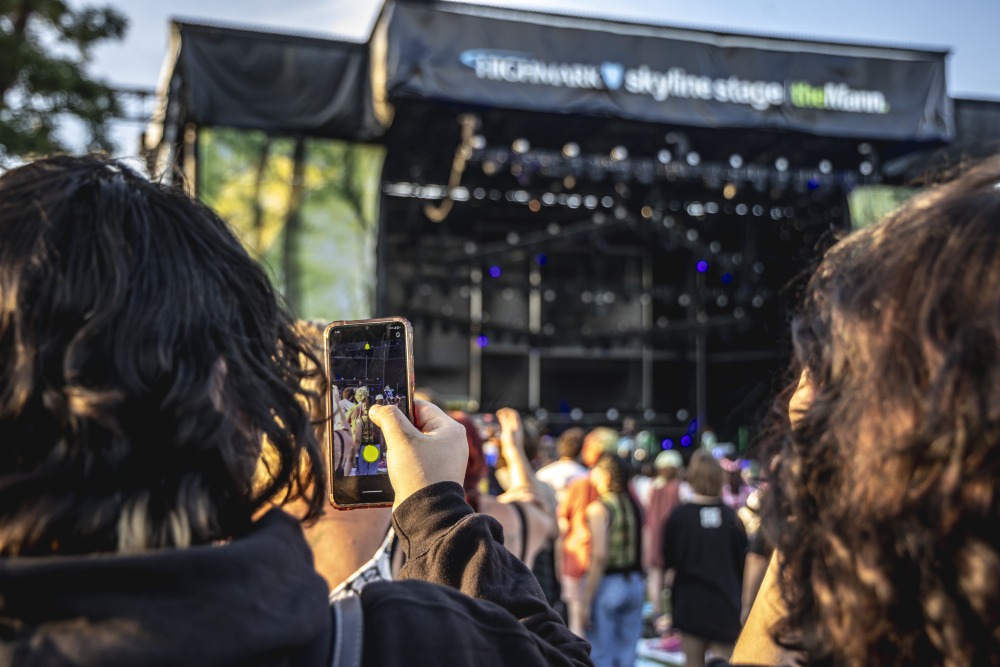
point(570, 443)
point(883, 499)
point(143, 358)
point(617, 469)
point(348, 393)
point(705, 474)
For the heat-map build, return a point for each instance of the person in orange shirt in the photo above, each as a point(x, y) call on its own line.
point(574, 532)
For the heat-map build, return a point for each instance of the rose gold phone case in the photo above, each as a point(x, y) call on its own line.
point(410, 384)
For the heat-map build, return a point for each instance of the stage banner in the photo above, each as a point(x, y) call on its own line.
point(280, 84)
point(496, 58)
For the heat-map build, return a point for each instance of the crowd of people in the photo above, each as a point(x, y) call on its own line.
point(160, 458)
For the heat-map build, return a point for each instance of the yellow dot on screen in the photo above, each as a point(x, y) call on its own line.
point(370, 453)
point(368, 346)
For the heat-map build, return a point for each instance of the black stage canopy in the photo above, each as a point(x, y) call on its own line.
point(281, 84)
point(490, 57)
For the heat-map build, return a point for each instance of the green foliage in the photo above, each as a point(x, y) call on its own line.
point(247, 178)
point(871, 203)
point(45, 48)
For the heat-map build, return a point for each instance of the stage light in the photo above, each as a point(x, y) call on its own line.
point(609, 297)
point(662, 322)
point(521, 146)
point(574, 201)
point(729, 191)
point(548, 199)
point(576, 414)
point(549, 295)
point(464, 292)
point(513, 238)
point(591, 202)
point(664, 156)
point(669, 222)
point(667, 444)
point(587, 297)
point(781, 164)
point(619, 153)
point(646, 212)
point(478, 142)
point(569, 182)
point(684, 300)
point(722, 301)
point(741, 209)
point(866, 168)
point(607, 201)
point(735, 161)
point(812, 184)
point(571, 150)
point(611, 414)
point(692, 235)
point(552, 228)
point(489, 167)
point(682, 415)
point(693, 159)
point(541, 259)
point(702, 266)
point(470, 247)
point(482, 341)
point(695, 209)
point(495, 271)
point(865, 148)
point(825, 166)
point(534, 206)
point(649, 414)
point(758, 301)
point(686, 441)
point(711, 208)
point(621, 213)
point(739, 313)
point(715, 247)
point(479, 193)
point(495, 194)
point(727, 278)
point(758, 210)
point(775, 213)
point(549, 329)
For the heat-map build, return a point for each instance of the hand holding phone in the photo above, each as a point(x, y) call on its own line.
point(371, 361)
point(432, 450)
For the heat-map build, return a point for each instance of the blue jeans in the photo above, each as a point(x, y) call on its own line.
point(616, 620)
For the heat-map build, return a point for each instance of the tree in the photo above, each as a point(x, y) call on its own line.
point(45, 48)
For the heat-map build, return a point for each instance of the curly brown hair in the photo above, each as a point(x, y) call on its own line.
point(884, 502)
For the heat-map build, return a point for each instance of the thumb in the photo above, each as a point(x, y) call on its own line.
point(393, 423)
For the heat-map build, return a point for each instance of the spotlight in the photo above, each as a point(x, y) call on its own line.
point(571, 150)
point(866, 168)
point(825, 166)
point(664, 156)
point(693, 159)
point(619, 153)
point(735, 161)
point(729, 191)
point(478, 142)
point(781, 164)
point(521, 146)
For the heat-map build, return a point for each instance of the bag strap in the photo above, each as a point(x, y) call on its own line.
point(349, 631)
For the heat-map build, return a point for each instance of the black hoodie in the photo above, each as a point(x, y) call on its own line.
point(258, 601)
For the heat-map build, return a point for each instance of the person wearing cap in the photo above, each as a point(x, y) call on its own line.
point(664, 497)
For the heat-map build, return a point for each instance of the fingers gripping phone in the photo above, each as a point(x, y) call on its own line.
point(368, 362)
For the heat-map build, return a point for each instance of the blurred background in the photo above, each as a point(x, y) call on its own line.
point(591, 212)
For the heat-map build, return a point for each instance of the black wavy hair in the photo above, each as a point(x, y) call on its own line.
point(143, 358)
point(884, 500)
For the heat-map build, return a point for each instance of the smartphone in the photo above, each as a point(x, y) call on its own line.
point(368, 362)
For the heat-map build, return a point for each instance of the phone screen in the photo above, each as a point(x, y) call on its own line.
point(369, 363)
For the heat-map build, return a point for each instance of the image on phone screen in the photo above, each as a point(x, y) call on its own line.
point(368, 365)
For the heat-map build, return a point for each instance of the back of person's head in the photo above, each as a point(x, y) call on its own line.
point(616, 469)
point(348, 393)
point(143, 358)
point(669, 462)
point(704, 474)
point(884, 499)
point(570, 443)
point(601, 440)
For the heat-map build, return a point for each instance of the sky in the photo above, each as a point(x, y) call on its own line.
point(967, 27)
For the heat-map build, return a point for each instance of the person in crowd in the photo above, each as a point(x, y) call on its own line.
point(882, 496)
point(735, 489)
point(574, 530)
point(704, 550)
point(561, 472)
point(144, 359)
point(614, 588)
point(664, 498)
point(366, 434)
point(347, 399)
